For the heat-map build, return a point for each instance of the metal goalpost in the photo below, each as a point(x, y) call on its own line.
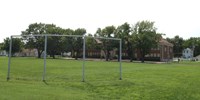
point(45, 52)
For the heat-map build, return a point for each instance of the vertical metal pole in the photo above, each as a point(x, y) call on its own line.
point(162, 53)
point(9, 60)
point(120, 59)
point(45, 53)
point(83, 67)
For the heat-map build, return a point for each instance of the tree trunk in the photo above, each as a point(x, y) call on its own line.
point(132, 55)
point(107, 55)
point(53, 55)
point(130, 52)
point(76, 56)
point(39, 53)
point(142, 60)
point(73, 54)
point(118, 54)
point(142, 55)
point(131, 59)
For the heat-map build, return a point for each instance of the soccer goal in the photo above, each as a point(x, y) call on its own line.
point(45, 37)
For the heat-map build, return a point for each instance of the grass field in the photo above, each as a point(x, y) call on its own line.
point(171, 81)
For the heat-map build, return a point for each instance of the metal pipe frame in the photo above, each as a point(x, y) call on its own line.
point(45, 50)
point(104, 38)
point(65, 36)
point(46, 35)
point(45, 57)
point(83, 67)
point(120, 58)
point(9, 59)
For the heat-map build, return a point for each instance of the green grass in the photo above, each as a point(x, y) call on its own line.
point(172, 81)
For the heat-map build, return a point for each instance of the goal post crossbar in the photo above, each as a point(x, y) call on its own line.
point(43, 35)
point(45, 51)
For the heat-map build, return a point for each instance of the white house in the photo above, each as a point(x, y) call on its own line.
point(187, 53)
point(27, 53)
point(3, 53)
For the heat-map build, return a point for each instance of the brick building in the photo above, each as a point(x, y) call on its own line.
point(163, 52)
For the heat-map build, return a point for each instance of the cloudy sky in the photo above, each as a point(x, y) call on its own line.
point(172, 17)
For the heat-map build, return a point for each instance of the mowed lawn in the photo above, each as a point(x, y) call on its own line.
point(169, 81)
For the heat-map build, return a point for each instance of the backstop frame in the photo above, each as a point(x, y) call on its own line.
point(45, 51)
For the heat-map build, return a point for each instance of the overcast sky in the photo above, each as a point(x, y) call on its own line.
point(171, 17)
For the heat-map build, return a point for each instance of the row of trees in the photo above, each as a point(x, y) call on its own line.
point(180, 44)
point(142, 36)
point(56, 45)
point(17, 45)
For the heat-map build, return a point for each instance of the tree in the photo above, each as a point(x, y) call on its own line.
point(91, 43)
point(77, 42)
point(17, 45)
point(67, 41)
point(178, 45)
point(145, 37)
point(193, 43)
point(124, 32)
point(35, 41)
point(197, 47)
point(107, 45)
point(1, 46)
point(54, 43)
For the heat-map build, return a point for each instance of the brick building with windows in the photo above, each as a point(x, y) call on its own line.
point(163, 52)
point(166, 50)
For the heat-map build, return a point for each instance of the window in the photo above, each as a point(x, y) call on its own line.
point(154, 55)
point(136, 55)
point(147, 55)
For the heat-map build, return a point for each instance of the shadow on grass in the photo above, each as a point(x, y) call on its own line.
point(45, 82)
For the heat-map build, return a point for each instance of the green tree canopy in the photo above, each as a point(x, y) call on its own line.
point(178, 45)
point(91, 43)
point(144, 37)
point(193, 43)
point(1, 46)
point(35, 42)
point(107, 45)
point(67, 41)
point(124, 32)
point(77, 43)
point(54, 43)
point(17, 45)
